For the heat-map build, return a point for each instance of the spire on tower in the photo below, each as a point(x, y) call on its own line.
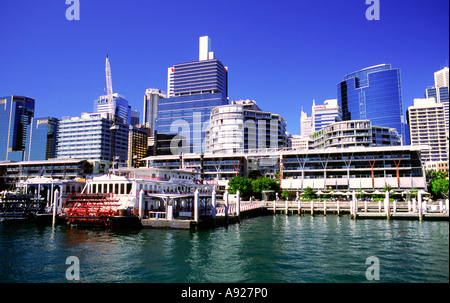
point(109, 90)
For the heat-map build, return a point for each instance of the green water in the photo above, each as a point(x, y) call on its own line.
point(265, 249)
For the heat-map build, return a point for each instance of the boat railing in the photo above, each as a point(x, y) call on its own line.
point(157, 214)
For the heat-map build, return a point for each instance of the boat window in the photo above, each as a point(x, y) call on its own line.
point(128, 188)
point(116, 188)
point(110, 188)
point(122, 188)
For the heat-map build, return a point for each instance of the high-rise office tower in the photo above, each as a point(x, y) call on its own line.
point(427, 127)
point(113, 104)
point(374, 93)
point(440, 91)
point(93, 137)
point(41, 139)
point(150, 112)
point(323, 115)
point(16, 113)
point(194, 89)
point(305, 124)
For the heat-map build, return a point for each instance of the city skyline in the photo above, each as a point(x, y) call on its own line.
point(282, 56)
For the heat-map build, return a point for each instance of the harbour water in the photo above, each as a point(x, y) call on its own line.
point(287, 249)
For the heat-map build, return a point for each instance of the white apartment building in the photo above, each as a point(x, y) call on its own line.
point(243, 126)
point(427, 127)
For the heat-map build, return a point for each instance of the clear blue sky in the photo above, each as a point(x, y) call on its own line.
point(283, 53)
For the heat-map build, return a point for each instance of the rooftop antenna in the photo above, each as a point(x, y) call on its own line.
point(109, 90)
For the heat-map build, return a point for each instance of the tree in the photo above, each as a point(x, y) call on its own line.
point(438, 184)
point(264, 183)
point(244, 185)
point(440, 188)
point(285, 194)
point(387, 187)
point(309, 193)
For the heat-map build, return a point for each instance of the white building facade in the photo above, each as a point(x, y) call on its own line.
point(243, 126)
point(427, 127)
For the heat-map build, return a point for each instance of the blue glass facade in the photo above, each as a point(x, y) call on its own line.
point(195, 88)
point(117, 106)
point(374, 93)
point(41, 139)
point(16, 113)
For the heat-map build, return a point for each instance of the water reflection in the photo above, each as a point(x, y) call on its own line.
point(267, 249)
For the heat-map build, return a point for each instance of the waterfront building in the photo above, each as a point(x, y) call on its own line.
point(194, 89)
point(323, 115)
point(354, 133)
point(150, 111)
point(94, 137)
point(12, 173)
point(41, 139)
point(349, 169)
point(241, 126)
point(427, 126)
point(374, 93)
point(16, 113)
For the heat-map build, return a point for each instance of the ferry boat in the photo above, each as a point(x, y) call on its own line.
point(35, 198)
point(123, 198)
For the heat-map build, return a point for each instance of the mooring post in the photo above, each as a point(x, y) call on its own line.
point(419, 198)
point(55, 201)
point(225, 197)
point(299, 207)
point(141, 204)
point(238, 204)
point(365, 205)
point(324, 207)
point(414, 209)
point(196, 205)
point(213, 202)
point(446, 205)
point(395, 206)
point(312, 208)
point(355, 205)
point(387, 206)
point(286, 206)
point(338, 208)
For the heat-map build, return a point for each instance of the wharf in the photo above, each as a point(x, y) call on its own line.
point(223, 217)
point(373, 210)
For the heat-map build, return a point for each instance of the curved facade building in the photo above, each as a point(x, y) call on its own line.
point(374, 93)
point(243, 126)
point(353, 134)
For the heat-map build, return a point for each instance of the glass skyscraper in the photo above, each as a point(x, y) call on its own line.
point(118, 106)
point(41, 139)
point(374, 93)
point(16, 113)
point(194, 89)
